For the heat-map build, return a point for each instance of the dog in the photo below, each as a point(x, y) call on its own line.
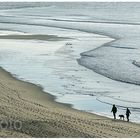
point(121, 117)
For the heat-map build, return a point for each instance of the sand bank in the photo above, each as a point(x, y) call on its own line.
point(26, 111)
point(33, 37)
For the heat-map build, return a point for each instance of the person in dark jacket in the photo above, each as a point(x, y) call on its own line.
point(128, 114)
point(114, 110)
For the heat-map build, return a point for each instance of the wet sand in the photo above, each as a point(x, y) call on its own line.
point(33, 37)
point(38, 115)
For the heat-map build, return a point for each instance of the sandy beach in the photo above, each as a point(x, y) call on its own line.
point(34, 113)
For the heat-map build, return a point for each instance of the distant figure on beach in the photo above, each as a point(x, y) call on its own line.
point(128, 114)
point(114, 110)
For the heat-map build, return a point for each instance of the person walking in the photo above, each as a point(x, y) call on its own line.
point(128, 114)
point(114, 110)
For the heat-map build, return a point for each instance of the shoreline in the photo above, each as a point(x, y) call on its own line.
point(41, 112)
point(48, 95)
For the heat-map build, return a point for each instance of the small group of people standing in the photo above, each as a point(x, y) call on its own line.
point(114, 110)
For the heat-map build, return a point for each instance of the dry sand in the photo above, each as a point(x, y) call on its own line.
point(41, 116)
